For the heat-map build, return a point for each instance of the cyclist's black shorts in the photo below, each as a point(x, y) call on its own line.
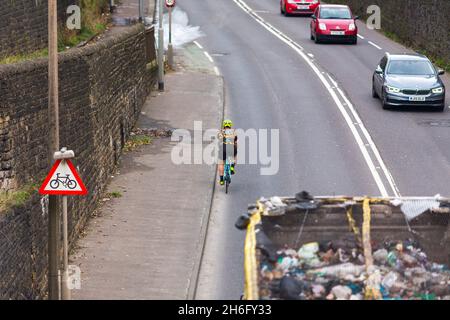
point(228, 149)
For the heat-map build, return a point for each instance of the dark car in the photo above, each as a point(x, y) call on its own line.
point(408, 80)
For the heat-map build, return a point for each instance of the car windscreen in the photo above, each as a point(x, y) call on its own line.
point(410, 67)
point(335, 13)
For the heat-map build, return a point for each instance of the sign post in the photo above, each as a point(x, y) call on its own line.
point(170, 4)
point(53, 117)
point(64, 180)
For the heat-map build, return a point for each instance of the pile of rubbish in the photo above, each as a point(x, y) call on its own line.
point(336, 270)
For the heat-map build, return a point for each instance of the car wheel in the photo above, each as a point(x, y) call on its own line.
point(374, 92)
point(383, 102)
point(316, 38)
point(441, 108)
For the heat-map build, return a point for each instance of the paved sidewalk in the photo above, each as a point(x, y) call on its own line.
point(146, 244)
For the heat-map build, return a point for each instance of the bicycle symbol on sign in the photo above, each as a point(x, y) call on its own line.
point(66, 182)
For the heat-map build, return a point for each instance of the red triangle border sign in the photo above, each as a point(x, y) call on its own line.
point(43, 190)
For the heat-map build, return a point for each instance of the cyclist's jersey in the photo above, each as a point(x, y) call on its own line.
point(228, 135)
point(229, 143)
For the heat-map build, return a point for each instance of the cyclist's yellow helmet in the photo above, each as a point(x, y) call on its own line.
point(227, 123)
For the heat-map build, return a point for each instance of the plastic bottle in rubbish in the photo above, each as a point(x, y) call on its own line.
point(340, 270)
point(392, 259)
point(389, 280)
point(308, 251)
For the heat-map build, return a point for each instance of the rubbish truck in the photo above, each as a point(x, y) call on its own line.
point(346, 248)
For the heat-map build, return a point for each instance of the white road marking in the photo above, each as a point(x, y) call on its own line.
point(208, 56)
point(311, 55)
point(360, 36)
point(373, 146)
point(198, 45)
point(340, 105)
point(216, 70)
point(375, 45)
point(332, 81)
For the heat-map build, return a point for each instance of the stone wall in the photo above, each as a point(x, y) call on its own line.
point(102, 89)
point(24, 24)
point(423, 25)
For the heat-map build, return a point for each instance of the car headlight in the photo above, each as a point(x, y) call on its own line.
point(438, 90)
point(322, 26)
point(352, 27)
point(393, 89)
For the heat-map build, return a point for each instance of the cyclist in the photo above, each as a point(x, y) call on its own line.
point(228, 146)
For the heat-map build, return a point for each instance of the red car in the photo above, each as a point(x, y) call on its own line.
point(334, 22)
point(288, 7)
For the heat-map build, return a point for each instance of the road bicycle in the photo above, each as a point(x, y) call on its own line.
point(227, 174)
point(66, 182)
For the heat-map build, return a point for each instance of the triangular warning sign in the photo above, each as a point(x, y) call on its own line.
point(63, 179)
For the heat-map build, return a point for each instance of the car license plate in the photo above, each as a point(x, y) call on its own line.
point(416, 98)
point(338, 33)
point(303, 7)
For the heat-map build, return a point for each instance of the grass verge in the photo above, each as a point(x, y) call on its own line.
point(136, 141)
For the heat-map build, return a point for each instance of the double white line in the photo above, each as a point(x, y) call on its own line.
point(365, 142)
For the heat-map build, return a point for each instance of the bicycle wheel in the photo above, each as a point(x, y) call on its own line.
point(72, 184)
point(54, 184)
point(227, 183)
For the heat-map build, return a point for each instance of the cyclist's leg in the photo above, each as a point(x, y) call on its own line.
point(222, 154)
point(232, 150)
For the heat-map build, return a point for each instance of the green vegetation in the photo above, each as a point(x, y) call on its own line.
point(136, 141)
point(115, 194)
point(392, 36)
point(93, 22)
point(22, 57)
point(17, 198)
point(440, 62)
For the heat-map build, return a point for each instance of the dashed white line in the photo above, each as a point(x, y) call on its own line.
point(375, 45)
point(216, 70)
point(369, 161)
point(311, 55)
point(360, 36)
point(198, 44)
point(208, 56)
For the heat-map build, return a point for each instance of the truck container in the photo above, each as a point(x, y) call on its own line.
point(325, 247)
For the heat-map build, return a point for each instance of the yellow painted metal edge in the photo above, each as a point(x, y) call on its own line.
point(251, 291)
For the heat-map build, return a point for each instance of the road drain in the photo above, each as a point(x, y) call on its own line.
point(435, 122)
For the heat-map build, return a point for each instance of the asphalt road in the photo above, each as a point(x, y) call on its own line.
point(334, 137)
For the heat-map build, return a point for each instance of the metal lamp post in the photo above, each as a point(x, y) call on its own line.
point(161, 48)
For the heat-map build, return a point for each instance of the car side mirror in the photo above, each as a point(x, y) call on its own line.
point(314, 17)
point(379, 70)
point(356, 17)
point(441, 72)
